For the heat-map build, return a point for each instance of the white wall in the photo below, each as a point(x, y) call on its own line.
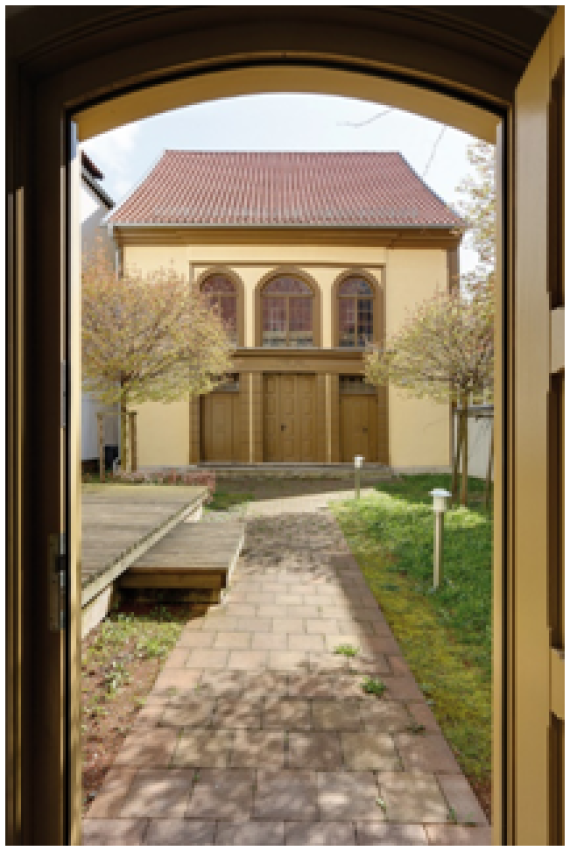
point(92, 211)
point(479, 445)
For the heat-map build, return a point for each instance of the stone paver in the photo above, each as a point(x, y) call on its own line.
point(320, 833)
point(453, 834)
point(180, 832)
point(314, 749)
point(412, 797)
point(287, 795)
point(349, 796)
point(375, 751)
point(258, 733)
point(286, 713)
point(373, 833)
point(114, 831)
point(252, 833)
point(158, 793)
point(222, 794)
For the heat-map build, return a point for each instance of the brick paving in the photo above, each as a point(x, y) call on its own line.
point(257, 733)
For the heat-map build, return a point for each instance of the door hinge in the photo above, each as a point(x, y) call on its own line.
point(57, 580)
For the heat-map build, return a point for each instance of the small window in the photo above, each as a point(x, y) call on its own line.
point(287, 313)
point(355, 313)
point(355, 384)
point(230, 385)
point(222, 295)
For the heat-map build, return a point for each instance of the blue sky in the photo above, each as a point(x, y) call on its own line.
point(286, 122)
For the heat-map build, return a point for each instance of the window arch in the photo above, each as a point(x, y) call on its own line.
point(224, 294)
point(288, 312)
point(356, 309)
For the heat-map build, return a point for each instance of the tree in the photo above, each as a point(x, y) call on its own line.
point(445, 351)
point(478, 208)
point(147, 338)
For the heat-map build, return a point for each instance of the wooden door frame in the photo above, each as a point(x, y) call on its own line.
point(54, 74)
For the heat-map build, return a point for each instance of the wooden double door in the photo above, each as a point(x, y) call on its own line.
point(290, 428)
point(358, 426)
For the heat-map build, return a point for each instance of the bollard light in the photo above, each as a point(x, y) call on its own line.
point(440, 497)
point(358, 462)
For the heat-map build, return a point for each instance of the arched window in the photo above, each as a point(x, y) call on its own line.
point(287, 312)
point(222, 295)
point(355, 312)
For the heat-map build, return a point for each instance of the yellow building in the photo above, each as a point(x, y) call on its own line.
point(310, 257)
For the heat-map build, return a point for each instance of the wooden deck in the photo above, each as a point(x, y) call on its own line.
point(121, 522)
point(197, 558)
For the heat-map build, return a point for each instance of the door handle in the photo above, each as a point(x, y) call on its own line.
point(364, 429)
point(283, 427)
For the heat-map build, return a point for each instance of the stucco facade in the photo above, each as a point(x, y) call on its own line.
point(415, 433)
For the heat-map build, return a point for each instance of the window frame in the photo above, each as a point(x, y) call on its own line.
point(238, 284)
point(378, 306)
point(315, 295)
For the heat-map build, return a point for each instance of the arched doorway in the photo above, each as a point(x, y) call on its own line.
point(459, 66)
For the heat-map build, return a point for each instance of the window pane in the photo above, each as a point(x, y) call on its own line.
point(347, 321)
point(287, 285)
point(355, 286)
point(300, 321)
point(274, 321)
point(364, 327)
point(228, 310)
point(218, 284)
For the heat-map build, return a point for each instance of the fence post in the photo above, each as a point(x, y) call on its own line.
point(133, 437)
point(101, 446)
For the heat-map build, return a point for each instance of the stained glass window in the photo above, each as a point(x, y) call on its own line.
point(287, 313)
point(355, 313)
point(222, 295)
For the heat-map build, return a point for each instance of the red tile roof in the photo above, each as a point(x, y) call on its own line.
point(284, 189)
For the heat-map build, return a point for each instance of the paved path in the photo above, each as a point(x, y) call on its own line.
point(257, 733)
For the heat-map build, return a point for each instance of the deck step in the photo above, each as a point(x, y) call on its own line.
point(198, 559)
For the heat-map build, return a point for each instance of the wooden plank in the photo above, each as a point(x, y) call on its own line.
point(175, 580)
point(120, 522)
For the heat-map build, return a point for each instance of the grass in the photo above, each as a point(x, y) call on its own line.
point(223, 500)
point(346, 650)
point(122, 639)
point(445, 635)
point(370, 685)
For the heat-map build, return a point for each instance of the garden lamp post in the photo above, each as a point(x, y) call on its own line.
point(358, 461)
point(440, 497)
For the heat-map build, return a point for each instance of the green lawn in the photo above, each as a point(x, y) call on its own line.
point(445, 635)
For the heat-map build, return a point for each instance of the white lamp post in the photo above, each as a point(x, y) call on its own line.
point(440, 497)
point(358, 462)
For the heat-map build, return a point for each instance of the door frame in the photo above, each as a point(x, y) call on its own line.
point(47, 90)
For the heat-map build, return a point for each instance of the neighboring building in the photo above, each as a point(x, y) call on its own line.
point(95, 204)
point(312, 256)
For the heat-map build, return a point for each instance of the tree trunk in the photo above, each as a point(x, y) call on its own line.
point(456, 456)
point(465, 451)
point(133, 439)
point(124, 443)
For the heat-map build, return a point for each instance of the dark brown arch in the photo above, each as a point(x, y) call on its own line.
point(237, 281)
point(378, 300)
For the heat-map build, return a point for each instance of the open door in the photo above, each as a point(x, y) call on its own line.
point(535, 437)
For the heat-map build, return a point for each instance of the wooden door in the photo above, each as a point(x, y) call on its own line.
point(358, 426)
point(289, 418)
point(535, 392)
point(220, 427)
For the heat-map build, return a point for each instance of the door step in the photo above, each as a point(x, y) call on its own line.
point(193, 563)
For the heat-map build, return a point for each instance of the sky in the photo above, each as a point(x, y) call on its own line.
point(287, 122)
